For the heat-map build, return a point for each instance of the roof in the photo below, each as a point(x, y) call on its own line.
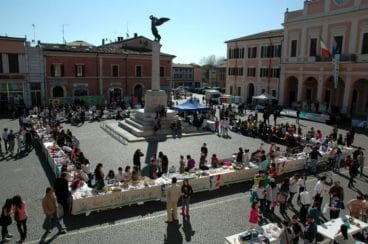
point(9, 38)
point(260, 35)
point(190, 105)
point(56, 47)
point(182, 66)
point(80, 44)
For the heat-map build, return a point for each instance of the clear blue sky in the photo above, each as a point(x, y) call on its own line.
point(197, 29)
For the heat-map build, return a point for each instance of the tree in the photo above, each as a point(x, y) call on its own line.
point(207, 64)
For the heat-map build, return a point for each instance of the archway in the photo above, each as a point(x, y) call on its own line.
point(115, 94)
point(57, 91)
point(291, 90)
point(310, 87)
point(250, 92)
point(331, 96)
point(359, 99)
point(138, 92)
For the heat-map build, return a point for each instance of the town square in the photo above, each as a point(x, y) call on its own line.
point(127, 141)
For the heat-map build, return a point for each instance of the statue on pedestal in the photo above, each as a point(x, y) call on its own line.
point(156, 22)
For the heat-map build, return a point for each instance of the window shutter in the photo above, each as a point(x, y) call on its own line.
point(83, 70)
point(62, 69)
point(76, 70)
point(52, 70)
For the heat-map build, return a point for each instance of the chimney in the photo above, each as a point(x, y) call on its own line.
point(135, 35)
point(103, 41)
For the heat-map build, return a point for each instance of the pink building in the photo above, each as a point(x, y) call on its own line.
point(308, 77)
point(253, 64)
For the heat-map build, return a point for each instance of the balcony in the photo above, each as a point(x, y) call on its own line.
point(349, 57)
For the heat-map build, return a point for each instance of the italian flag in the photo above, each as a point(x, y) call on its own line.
point(324, 50)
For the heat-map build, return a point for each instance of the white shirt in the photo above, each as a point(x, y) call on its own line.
point(119, 176)
point(301, 182)
point(5, 135)
point(261, 192)
point(305, 198)
point(293, 185)
point(319, 188)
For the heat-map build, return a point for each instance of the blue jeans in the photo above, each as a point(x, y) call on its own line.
point(54, 222)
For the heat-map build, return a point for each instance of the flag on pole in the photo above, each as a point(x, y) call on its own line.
point(324, 50)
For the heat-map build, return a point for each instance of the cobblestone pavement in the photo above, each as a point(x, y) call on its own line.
point(214, 215)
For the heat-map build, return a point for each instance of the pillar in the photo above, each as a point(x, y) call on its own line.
point(347, 89)
point(155, 82)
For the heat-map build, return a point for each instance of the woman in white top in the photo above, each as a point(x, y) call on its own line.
point(127, 175)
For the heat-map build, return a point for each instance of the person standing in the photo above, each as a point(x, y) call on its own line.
point(186, 191)
point(314, 154)
point(50, 209)
point(11, 142)
point(254, 215)
point(318, 190)
point(99, 178)
point(305, 201)
point(335, 207)
point(353, 172)
point(286, 236)
point(297, 229)
point(204, 150)
point(137, 158)
point(361, 160)
point(182, 164)
point(20, 216)
point(62, 192)
point(310, 230)
point(5, 139)
point(173, 194)
point(6, 220)
point(297, 116)
point(293, 188)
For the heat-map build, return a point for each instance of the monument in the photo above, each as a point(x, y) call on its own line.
point(142, 123)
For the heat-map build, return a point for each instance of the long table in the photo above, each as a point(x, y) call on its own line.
point(234, 239)
point(331, 228)
point(211, 180)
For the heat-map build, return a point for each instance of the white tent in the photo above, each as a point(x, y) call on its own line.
point(264, 96)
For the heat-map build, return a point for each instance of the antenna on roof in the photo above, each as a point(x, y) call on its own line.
point(63, 25)
point(34, 33)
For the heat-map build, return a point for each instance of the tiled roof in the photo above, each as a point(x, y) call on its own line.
point(260, 35)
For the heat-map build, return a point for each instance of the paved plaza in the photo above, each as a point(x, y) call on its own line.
point(214, 214)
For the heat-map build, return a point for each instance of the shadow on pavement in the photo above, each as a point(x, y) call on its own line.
point(173, 234)
point(187, 228)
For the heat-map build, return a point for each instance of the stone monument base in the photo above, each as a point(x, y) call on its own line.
point(153, 100)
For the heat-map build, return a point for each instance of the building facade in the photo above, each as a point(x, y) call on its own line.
point(13, 72)
point(115, 71)
point(253, 64)
point(188, 75)
point(312, 79)
point(217, 75)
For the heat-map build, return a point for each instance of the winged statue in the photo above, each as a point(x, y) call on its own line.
point(157, 22)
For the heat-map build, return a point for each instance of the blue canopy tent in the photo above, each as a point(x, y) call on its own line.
point(190, 105)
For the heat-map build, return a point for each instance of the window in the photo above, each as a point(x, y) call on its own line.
point(162, 71)
point(337, 47)
point(239, 91)
point(1, 64)
point(313, 47)
point(235, 53)
point(273, 93)
point(235, 71)
point(13, 63)
point(364, 44)
point(138, 71)
point(293, 48)
point(231, 90)
point(114, 70)
point(251, 72)
point(57, 70)
point(57, 91)
point(278, 51)
point(79, 70)
point(252, 52)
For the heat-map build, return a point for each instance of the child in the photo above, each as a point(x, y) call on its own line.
point(254, 215)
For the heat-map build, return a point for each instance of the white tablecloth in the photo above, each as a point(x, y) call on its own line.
point(330, 228)
point(234, 239)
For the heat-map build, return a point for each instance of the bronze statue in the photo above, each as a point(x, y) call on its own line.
point(156, 22)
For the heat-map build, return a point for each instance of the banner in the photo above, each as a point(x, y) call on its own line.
point(336, 71)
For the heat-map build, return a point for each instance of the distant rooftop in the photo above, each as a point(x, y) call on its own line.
point(260, 35)
point(21, 39)
point(182, 66)
point(79, 44)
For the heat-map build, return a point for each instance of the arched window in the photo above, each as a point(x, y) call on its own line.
point(57, 91)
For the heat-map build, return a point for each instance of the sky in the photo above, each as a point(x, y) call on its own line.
point(197, 28)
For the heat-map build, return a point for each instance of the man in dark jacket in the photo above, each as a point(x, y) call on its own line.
point(62, 192)
point(310, 230)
